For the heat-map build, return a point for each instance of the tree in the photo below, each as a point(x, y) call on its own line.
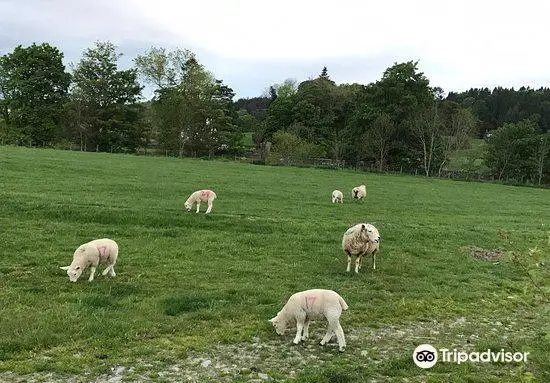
point(324, 74)
point(272, 93)
point(279, 114)
point(317, 109)
point(502, 105)
point(459, 125)
point(288, 148)
point(379, 139)
point(397, 104)
point(106, 98)
point(157, 67)
point(33, 88)
point(166, 69)
point(426, 126)
point(194, 111)
point(256, 106)
point(288, 88)
point(511, 151)
point(542, 149)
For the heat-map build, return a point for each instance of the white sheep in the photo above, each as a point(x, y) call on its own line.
point(91, 254)
point(198, 197)
point(359, 192)
point(337, 196)
point(316, 304)
point(359, 240)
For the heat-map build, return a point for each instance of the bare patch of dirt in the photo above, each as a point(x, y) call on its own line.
point(486, 255)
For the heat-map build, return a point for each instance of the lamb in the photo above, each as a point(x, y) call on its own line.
point(359, 192)
point(359, 240)
point(308, 305)
point(337, 196)
point(198, 197)
point(92, 254)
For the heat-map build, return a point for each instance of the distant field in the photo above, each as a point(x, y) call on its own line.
point(193, 292)
point(470, 159)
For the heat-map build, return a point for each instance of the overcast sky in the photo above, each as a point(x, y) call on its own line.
point(251, 44)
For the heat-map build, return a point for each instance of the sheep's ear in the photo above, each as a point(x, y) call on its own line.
point(64, 267)
point(271, 320)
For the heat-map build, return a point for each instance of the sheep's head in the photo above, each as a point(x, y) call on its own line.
point(278, 324)
point(73, 272)
point(370, 233)
point(188, 206)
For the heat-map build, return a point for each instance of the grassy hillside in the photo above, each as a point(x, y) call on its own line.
point(193, 292)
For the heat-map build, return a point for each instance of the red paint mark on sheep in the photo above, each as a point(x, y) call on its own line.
point(103, 249)
point(310, 300)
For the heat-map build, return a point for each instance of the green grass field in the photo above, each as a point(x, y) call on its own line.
point(193, 293)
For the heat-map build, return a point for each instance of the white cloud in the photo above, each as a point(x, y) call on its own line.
point(460, 44)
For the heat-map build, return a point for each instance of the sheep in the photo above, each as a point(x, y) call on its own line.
point(359, 240)
point(308, 305)
point(359, 192)
point(337, 196)
point(92, 254)
point(198, 197)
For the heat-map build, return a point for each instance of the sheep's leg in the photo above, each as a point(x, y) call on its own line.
point(306, 330)
point(340, 336)
point(299, 328)
point(107, 269)
point(198, 206)
point(209, 207)
point(333, 323)
point(374, 260)
point(349, 262)
point(328, 336)
point(357, 264)
point(92, 273)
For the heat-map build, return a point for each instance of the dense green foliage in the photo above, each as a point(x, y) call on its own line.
point(398, 123)
point(501, 105)
point(103, 104)
point(518, 151)
point(33, 89)
point(193, 112)
point(191, 287)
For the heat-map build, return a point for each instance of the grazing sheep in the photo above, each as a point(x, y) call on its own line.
point(337, 196)
point(359, 240)
point(92, 254)
point(359, 192)
point(198, 197)
point(308, 305)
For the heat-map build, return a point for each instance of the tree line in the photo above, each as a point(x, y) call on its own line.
point(398, 123)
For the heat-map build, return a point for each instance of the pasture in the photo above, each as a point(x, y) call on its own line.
point(193, 293)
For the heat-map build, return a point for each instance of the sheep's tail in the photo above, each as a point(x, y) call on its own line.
point(343, 303)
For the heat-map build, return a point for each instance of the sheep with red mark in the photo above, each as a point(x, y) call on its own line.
point(91, 254)
point(199, 196)
point(359, 240)
point(316, 304)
